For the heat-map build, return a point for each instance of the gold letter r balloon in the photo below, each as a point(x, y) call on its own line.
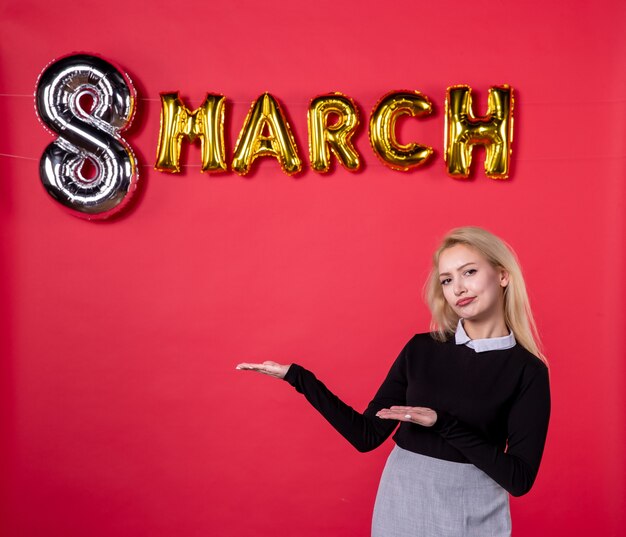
point(335, 137)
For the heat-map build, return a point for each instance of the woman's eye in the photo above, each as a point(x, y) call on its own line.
point(470, 272)
point(445, 282)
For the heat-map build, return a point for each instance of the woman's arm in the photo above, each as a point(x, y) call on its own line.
point(365, 431)
point(515, 469)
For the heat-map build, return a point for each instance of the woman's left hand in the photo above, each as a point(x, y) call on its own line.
point(413, 414)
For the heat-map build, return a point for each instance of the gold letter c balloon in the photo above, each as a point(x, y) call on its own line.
point(383, 129)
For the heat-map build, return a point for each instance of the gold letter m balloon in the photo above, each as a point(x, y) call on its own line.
point(464, 130)
point(178, 122)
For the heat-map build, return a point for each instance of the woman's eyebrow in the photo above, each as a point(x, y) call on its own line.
point(459, 268)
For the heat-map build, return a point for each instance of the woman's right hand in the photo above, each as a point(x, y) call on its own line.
point(267, 368)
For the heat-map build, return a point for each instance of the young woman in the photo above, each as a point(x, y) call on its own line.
point(472, 398)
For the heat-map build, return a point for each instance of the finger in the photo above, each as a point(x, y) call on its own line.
point(421, 411)
point(391, 414)
point(255, 367)
point(397, 417)
point(417, 409)
point(410, 416)
point(390, 411)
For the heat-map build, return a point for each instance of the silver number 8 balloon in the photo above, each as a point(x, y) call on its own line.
point(88, 136)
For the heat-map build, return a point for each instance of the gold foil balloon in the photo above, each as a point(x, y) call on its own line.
point(205, 123)
point(265, 132)
point(463, 131)
point(324, 138)
point(383, 129)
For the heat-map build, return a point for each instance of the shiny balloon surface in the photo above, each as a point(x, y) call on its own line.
point(326, 135)
point(266, 116)
point(87, 102)
point(178, 123)
point(464, 131)
point(397, 156)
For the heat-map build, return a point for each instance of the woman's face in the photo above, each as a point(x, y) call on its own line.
point(471, 285)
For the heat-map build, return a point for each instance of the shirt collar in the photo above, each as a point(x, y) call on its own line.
point(482, 345)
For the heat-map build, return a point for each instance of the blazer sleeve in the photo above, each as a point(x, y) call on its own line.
point(364, 430)
point(516, 467)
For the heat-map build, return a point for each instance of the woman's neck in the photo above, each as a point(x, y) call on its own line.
point(485, 329)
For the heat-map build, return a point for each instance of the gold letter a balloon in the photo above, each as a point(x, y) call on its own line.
point(277, 140)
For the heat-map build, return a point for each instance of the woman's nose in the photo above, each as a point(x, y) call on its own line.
point(459, 288)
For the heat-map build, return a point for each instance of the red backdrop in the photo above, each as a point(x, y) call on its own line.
point(121, 411)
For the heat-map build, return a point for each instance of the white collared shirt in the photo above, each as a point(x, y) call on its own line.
point(482, 345)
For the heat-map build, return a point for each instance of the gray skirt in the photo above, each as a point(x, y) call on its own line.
point(421, 496)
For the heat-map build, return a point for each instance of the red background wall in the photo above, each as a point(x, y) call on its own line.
point(121, 411)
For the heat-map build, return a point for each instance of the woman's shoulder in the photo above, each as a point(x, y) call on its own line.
point(427, 341)
point(433, 346)
point(524, 356)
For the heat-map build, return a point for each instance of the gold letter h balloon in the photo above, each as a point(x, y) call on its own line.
point(464, 130)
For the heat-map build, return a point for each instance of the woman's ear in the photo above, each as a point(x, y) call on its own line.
point(504, 277)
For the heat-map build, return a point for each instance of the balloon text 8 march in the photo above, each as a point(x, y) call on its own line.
point(94, 136)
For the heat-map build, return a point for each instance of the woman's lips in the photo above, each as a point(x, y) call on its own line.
point(464, 301)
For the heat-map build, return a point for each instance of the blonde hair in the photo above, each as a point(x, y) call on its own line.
point(517, 313)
